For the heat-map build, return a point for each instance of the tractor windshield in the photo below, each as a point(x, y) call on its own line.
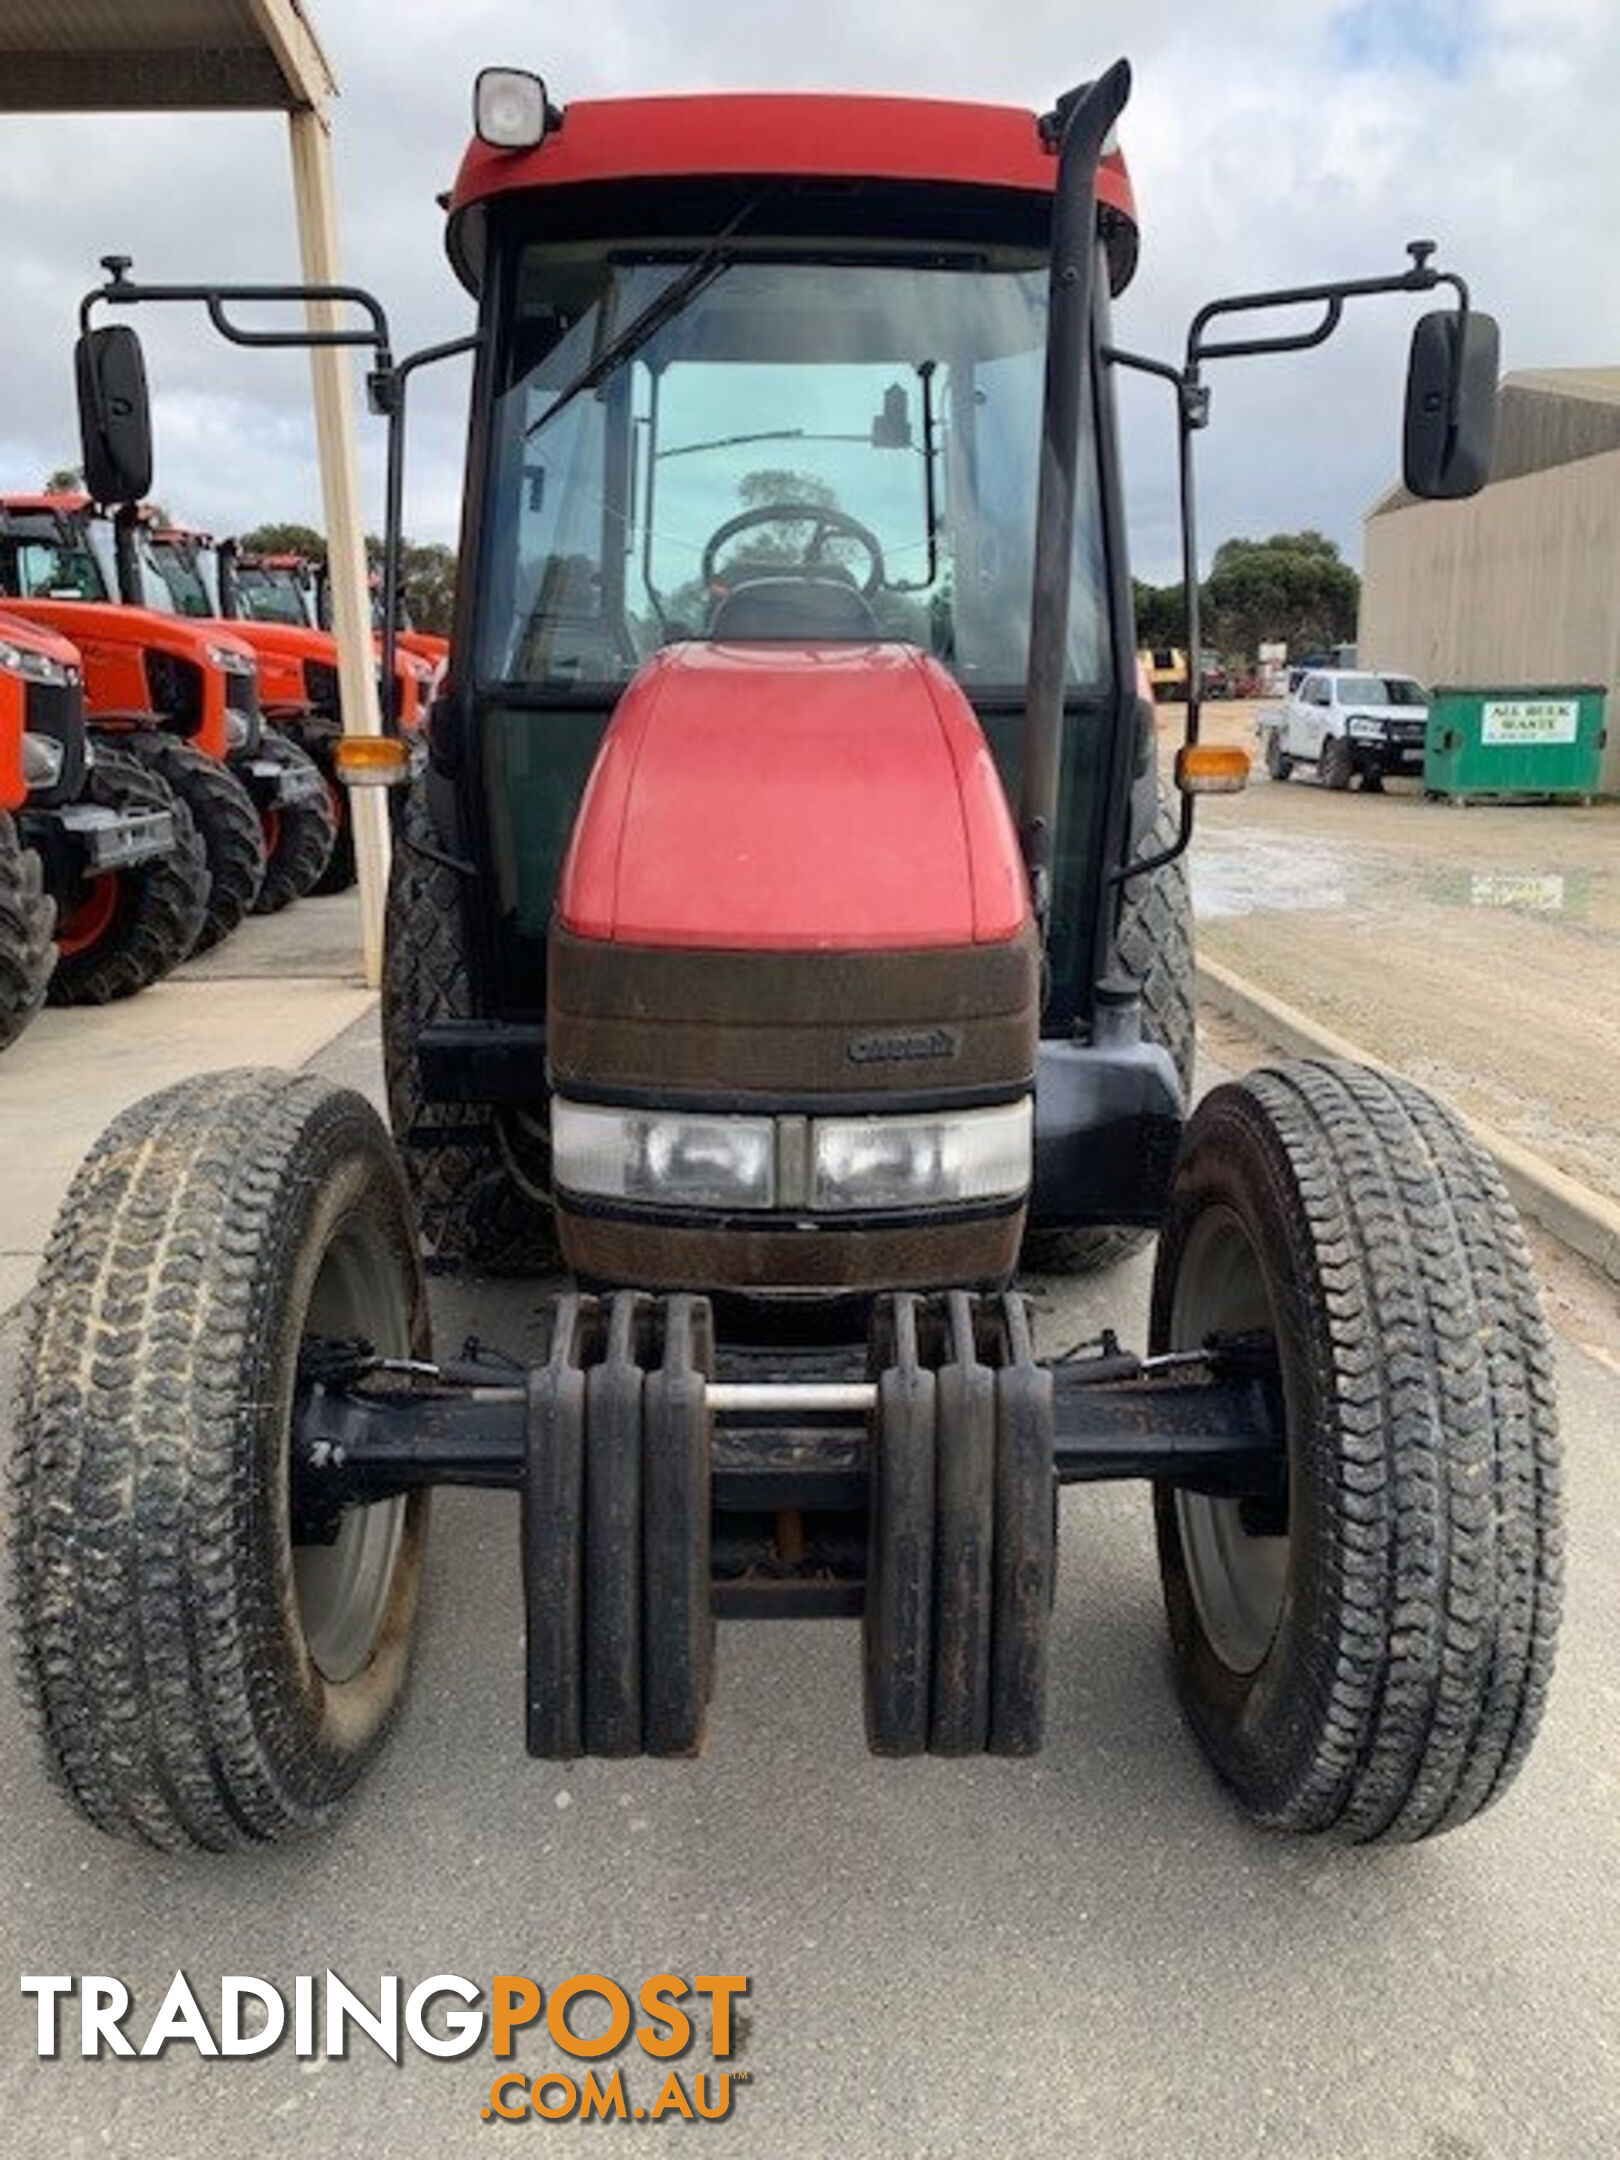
point(271, 593)
point(43, 557)
point(870, 425)
point(178, 577)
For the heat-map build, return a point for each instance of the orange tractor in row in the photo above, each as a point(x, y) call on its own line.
point(272, 608)
point(184, 698)
point(103, 881)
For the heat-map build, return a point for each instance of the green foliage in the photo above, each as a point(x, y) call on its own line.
point(66, 480)
point(1161, 613)
point(428, 576)
point(284, 539)
point(427, 568)
point(1292, 586)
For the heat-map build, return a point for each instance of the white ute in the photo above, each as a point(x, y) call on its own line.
point(1346, 721)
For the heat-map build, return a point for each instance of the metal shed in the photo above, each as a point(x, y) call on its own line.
point(1521, 584)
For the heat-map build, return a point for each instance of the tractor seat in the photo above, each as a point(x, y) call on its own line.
point(794, 608)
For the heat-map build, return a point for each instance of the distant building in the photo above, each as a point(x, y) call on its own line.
point(1521, 584)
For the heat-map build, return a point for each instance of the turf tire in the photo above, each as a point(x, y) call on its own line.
point(1414, 1592)
point(198, 1680)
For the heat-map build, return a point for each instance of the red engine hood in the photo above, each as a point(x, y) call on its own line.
point(770, 797)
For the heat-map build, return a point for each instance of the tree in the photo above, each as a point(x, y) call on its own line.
point(428, 578)
point(1292, 586)
point(1161, 613)
point(284, 539)
point(66, 480)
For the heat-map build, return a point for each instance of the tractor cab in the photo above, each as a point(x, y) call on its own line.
point(748, 618)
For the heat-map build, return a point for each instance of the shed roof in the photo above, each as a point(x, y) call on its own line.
point(162, 55)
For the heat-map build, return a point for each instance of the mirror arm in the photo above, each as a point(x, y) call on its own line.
point(386, 389)
point(1193, 401)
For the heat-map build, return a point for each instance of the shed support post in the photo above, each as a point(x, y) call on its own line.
point(345, 528)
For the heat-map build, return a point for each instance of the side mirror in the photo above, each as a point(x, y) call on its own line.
point(891, 425)
point(1450, 431)
point(115, 417)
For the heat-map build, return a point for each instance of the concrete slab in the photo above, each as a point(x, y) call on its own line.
point(73, 1071)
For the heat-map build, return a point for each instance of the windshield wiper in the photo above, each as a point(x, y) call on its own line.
point(699, 273)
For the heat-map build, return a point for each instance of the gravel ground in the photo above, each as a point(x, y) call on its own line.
point(1475, 946)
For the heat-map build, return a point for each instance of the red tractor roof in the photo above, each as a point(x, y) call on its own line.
point(68, 505)
point(774, 135)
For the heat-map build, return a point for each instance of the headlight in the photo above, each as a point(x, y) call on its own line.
point(230, 660)
point(1365, 729)
point(674, 1158)
point(238, 728)
point(43, 758)
point(685, 1158)
point(35, 666)
point(907, 1162)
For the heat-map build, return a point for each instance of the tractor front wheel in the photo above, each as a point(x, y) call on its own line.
point(299, 834)
point(223, 813)
point(132, 926)
point(318, 734)
point(27, 916)
point(1366, 1653)
point(200, 1678)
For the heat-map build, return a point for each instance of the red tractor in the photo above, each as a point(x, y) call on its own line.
point(270, 605)
point(183, 703)
point(104, 558)
point(103, 880)
point(783, 932)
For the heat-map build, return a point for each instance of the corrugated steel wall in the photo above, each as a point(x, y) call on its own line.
point(1519, 585)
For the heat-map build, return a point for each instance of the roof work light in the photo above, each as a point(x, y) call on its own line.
point(511, 110)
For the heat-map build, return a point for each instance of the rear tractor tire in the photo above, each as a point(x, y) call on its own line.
point(1155, 946)
point(27, 917)
point(298, 836)
point(480, 1199)
point(1367, 1657)
point(223, 813)
point(200, 1679)
point(132, 926)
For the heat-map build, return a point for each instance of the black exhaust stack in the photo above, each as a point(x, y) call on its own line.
point(1079, 126)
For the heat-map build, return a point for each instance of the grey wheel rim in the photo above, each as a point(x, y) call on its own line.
point(343, 1588)
point(1239, 1581)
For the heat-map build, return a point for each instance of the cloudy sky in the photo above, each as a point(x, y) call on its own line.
point(1271, 141)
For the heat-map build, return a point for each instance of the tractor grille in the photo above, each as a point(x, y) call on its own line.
point(802, 1035)
point(175, 687)
point(321, 687)
point(57, 710)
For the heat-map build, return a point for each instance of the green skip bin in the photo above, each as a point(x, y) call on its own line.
point(1517, 741)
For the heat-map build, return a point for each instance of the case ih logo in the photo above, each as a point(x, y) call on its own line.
point(913, 1049)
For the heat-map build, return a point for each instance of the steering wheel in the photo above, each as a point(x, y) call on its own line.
point(820, 519)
